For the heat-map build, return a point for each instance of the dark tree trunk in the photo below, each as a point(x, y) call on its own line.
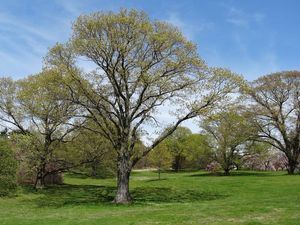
point(159, 173)
point(40, 180)
point(292, 162)
point(291, 167)
point(226, 172)
point(177, 162)
point(94, 169)
point(124, 170)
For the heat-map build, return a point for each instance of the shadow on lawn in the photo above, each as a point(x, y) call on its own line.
point(63, 195)
point(237, 174)
point(168, 195)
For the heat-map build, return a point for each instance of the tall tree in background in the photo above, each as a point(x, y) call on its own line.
point(92, 153)
point(178, 144)
point(140, 66)
point(161, 158)
point(276, 111)
point(198, 154)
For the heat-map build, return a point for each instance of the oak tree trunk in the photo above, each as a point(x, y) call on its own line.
point(124, 170)
point(292, 163)
point(291, 167)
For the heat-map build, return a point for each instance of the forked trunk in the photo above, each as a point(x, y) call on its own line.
point(40, 177)
point(124, 169)
point(40, 182)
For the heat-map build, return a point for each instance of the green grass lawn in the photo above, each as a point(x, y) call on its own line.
point(183, 198)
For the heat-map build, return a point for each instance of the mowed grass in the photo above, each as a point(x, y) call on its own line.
point(183, 198)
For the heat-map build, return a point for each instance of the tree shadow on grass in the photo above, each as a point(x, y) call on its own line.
point(62, 195)
point(79, 175)
point(168, 195)
point(156, 180)
point(66, 195)
point(237, 174)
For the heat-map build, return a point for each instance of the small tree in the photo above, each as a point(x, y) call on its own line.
point(228, 131)
point(34, 106)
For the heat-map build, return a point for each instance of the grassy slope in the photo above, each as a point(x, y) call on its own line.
point(184, 198)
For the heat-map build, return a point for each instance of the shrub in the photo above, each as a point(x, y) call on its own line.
point(8, 168)
point(213, 167)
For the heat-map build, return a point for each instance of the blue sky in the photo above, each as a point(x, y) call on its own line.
point(250, 37)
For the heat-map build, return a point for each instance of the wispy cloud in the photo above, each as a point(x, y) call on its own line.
point(11, 23)
point(23, 43)
point(191, 30)
point(240, 18)
point(72, 7)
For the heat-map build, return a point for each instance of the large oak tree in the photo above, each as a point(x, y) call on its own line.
point(140, 65)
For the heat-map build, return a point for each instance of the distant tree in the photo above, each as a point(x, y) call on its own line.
point(140, 65)
point(91, 153)
point(198, 153)
point(178, 144)
point(275, 108)
point(228, 131)
point(161, 158)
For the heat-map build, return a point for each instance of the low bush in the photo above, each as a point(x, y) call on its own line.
point(8, 169)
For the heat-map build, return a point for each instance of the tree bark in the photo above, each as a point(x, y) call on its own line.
point(40, 179)
point(124, 170)
point(41, 174)
point(94, 169)
point(177, 162)
point(226, 172)
point(291, 167)
point(292, 161)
